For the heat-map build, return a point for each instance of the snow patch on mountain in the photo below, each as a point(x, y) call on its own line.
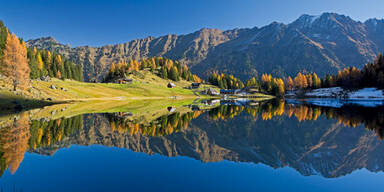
point(314, 18)
point(367, 93)
point(338, 97)
point(325, 92)
point(338, 92)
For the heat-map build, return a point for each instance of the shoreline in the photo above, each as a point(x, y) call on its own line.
point(367, 93)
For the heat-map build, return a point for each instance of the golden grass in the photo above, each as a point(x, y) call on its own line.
point(143, 110)
point(149, 87)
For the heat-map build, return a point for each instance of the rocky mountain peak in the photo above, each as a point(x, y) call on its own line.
point(306, 19)
point(325, 20)
point(210, 30)
point(323, 44)
point(45, 42)
point(374, 23)
point(48, 39)
point(208, 33)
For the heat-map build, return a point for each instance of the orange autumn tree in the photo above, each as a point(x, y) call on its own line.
point(266, 82)
point(14, 142)
point(15, 63)
point(272, 85)
point(289, 83)
point(197, 79)
point(162, 67)
point(300, 81)
point(40, 63)
point(305, 81)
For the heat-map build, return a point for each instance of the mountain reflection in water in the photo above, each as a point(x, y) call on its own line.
point(311, 139)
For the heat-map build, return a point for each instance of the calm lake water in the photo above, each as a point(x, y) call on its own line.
point(316, 145)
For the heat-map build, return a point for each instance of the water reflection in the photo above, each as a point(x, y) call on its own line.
point(14, 142)
point(330, 141)
point(46, 133)
point(350, 115)
point(162, 126)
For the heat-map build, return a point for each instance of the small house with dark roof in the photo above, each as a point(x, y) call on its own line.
point(171, 109)
point(171, 85)
point(195, 108)
point(195, 85)
point(211, 91)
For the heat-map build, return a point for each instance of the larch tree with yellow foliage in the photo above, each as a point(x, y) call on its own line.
point(40, 63)
point(15, 63)
point(289, 83)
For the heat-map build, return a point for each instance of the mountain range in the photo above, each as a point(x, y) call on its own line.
point(323, 44)
point(321, 147)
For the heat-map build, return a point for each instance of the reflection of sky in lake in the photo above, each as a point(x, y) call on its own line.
point(99, 168)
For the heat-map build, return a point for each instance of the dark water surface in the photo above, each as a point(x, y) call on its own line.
point(236, 146)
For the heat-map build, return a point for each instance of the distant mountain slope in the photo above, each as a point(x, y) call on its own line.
point(322, 44)
point(321, 147)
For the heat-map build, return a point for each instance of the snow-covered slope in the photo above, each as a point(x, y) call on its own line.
point(367, 93)
point(326, 92)
point(338, 97)
point(338, 92)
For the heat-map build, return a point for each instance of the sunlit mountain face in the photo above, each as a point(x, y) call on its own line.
point(311, 139)
point(323, 44)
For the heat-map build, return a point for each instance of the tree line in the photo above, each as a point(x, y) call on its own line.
point(303, 81)
point(48, 63)
point(23, 134)
point(278, 86)
point(162, 126)
point(349, 115)
point(225, 81)
point(46, 133)
point(371, 75)
point(20, 64)
point(162, 67)
point(267, 84)
point(274, 86)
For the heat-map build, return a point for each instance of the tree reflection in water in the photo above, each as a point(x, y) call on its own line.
point(347, 115)
point(21, 134)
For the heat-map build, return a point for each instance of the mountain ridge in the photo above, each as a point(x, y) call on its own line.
point(323, 152)
point(323, 44)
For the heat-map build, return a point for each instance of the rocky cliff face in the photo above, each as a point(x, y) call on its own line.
point(322, 44)
point(319, 147)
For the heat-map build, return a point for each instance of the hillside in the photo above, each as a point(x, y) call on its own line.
point(322, 44)
point(144, 86)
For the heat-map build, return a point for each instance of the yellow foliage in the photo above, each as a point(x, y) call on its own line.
point(15, 62)
point(40, 64)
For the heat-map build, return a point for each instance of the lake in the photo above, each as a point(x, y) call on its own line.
point(201, 145)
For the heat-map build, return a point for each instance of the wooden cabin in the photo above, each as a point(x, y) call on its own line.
point(211, 91)
point(195, 108)
point(171, 85)
point(171, 109)
point(195, 85)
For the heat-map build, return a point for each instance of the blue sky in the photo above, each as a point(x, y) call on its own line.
point(100, 22)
